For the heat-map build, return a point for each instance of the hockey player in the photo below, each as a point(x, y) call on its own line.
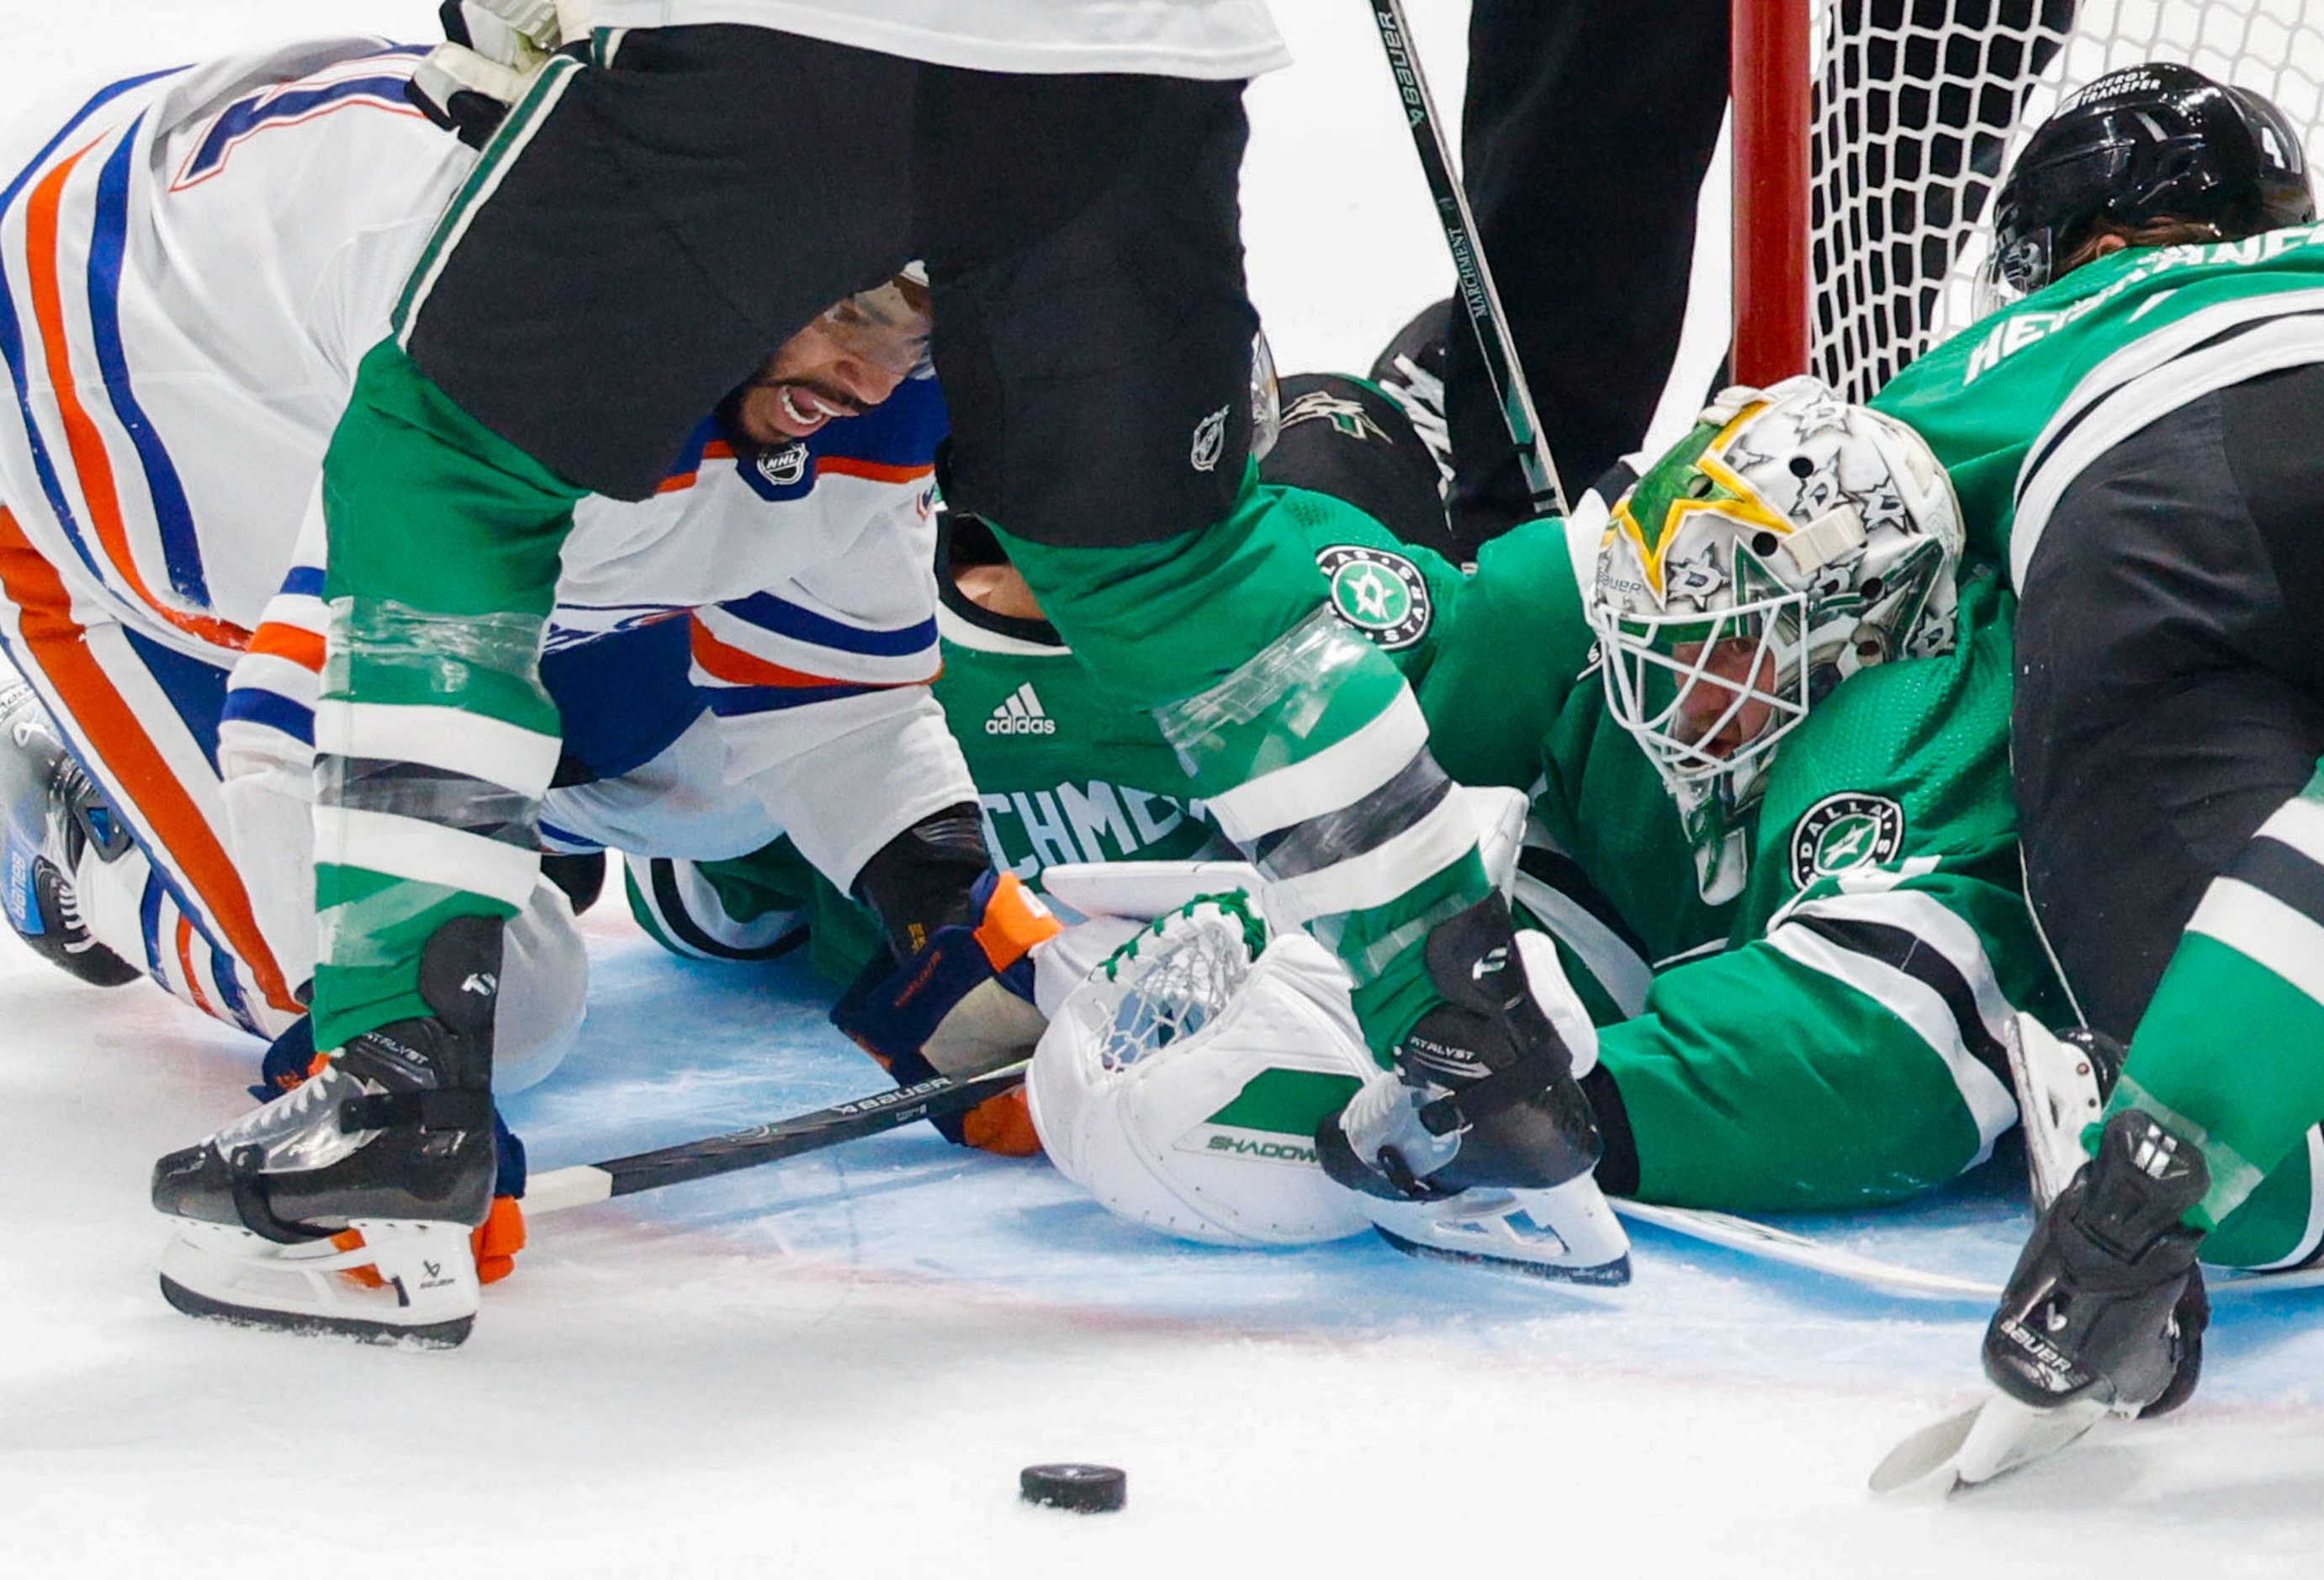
point(2136, 435)
point(1780, 875)
point(644, 225)
point(1066, 774)
point(744, 652)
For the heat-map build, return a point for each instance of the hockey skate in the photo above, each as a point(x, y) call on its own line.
point(392, 1139)
point(55, 820)
point(2104, 1314)
point(1480, 1147)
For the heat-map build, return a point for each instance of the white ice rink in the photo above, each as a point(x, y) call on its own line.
point(837, 1366)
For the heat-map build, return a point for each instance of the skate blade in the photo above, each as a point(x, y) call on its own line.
point(1605, 1274)
point(433, 1336)
point(1565, 1232)
point(1974, 1445)
point(395, 1280)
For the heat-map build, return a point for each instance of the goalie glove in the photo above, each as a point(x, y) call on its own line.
point(1182, 1083)
point(960, 1004)
point(492, 51)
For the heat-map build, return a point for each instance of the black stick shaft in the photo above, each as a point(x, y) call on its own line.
point(558, 1190)
point(1478, 297)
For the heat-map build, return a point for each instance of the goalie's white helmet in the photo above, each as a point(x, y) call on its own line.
point(1789, 540)
point(1183, 1083)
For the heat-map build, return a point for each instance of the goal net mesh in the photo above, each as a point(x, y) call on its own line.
point(1918, 106)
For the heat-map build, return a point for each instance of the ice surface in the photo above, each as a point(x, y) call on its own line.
point(837, 1366)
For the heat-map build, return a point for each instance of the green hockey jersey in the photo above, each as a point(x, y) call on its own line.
point(1836, 1035)
point(1831, 1037)
point(2017, 406)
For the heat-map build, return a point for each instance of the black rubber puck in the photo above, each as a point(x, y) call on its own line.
point(1085, 1489)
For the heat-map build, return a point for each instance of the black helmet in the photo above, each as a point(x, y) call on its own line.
point(2147, 143)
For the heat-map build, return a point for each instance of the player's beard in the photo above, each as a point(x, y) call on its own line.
point(747, 448)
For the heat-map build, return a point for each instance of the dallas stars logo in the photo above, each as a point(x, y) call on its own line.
point(1348, 416)
point(1844, 832)
point(1382, 595)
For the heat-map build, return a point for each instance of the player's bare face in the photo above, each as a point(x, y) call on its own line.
point(843, 364)
point(1708, 713)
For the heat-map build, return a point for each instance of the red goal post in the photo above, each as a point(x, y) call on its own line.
point(1870, 136)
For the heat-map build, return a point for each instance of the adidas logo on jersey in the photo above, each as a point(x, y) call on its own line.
point(1021, 715)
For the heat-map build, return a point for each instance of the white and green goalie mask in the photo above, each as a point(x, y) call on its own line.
point(1789, 540)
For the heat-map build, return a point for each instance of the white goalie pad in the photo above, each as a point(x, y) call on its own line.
point(1183, 1087)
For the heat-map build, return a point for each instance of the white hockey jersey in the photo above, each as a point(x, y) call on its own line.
point(191, 270)
point(1212, 40)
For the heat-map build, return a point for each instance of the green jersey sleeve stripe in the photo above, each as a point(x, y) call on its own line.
point(1342, 774)
point(1992, 1107)
point(2086, 428)
point(1616, 967)
point(2265, 931)
point(1908, 953)
point(450, 738)
point(426, 853)
point(1932, 925)
point(693, 920)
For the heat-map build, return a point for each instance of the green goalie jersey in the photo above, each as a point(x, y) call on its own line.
point(1833, 1036)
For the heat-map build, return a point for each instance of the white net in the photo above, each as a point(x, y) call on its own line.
point(1919, 106)
point(1174, 978)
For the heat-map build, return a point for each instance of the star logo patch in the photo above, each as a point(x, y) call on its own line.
point(1380, 593)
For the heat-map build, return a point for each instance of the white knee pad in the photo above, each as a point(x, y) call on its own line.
point(544, 991)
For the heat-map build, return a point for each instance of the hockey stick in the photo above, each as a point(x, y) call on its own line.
point(1765, 1241)
point(1770, 1243)
point(556, 1190)
point(1483, 303)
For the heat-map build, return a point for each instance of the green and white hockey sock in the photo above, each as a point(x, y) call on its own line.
point(2244, 1087)
point(1300, 735)
point(434, 738)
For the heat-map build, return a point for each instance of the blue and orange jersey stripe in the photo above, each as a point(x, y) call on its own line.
point(55, 643)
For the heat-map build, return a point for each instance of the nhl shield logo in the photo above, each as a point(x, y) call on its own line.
point(1844, 832)
point(786, 466)
point(1380, 593)
point(1210, 440)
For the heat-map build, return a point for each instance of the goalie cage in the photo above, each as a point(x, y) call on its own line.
point(1870, 136)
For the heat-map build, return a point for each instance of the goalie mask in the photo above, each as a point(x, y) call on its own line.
point(1787, 542)
point(1182, 1083)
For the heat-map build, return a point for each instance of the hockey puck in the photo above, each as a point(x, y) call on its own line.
point(1085, 1489)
